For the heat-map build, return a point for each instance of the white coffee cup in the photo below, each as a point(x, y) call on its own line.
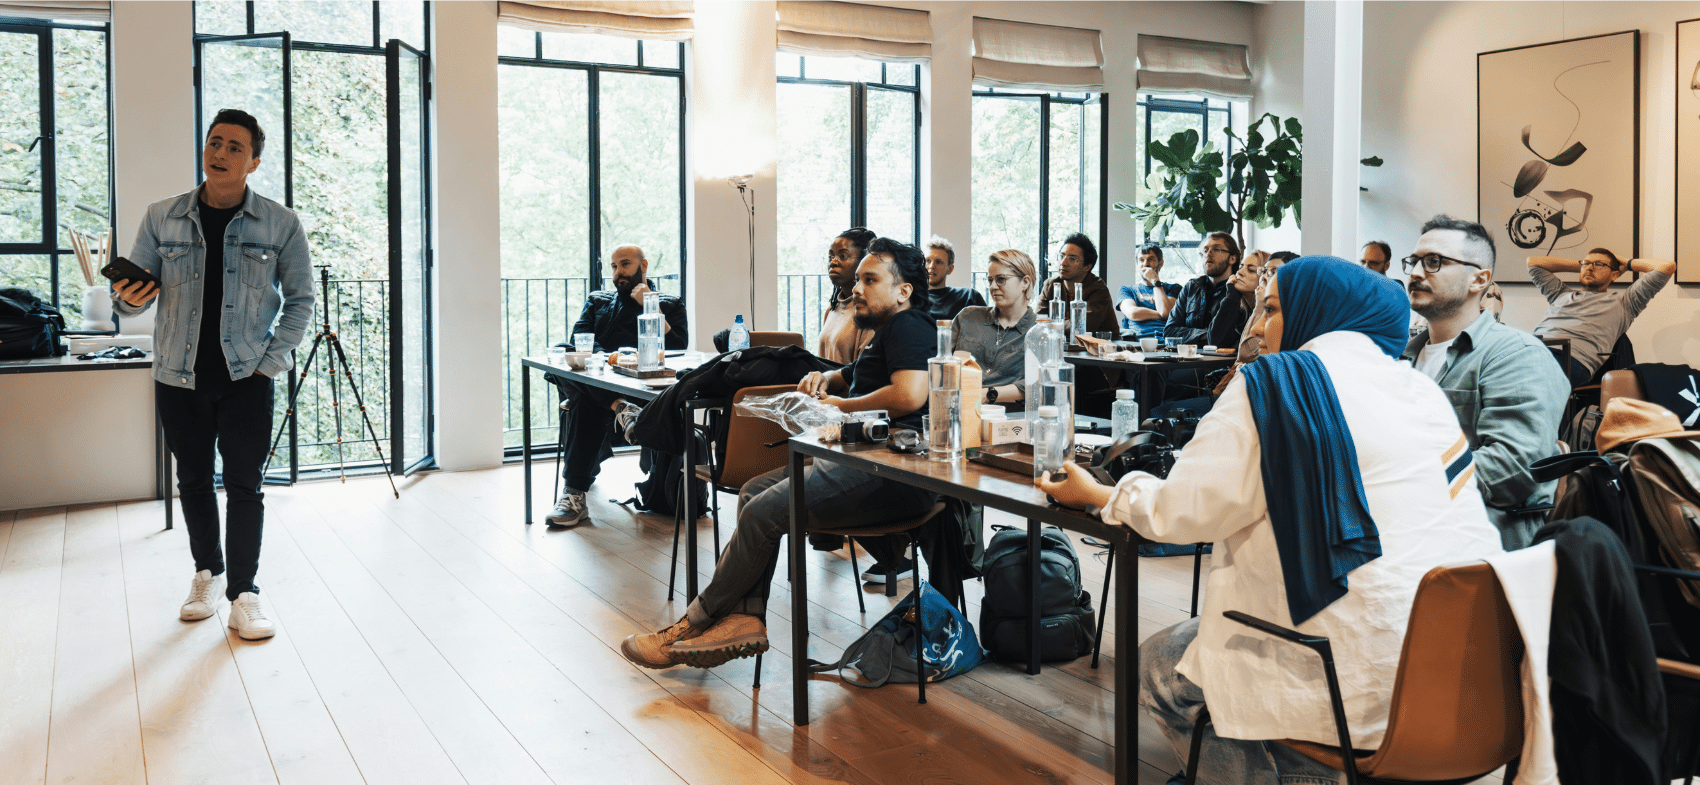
point(1187, 350)
point(1148, 344)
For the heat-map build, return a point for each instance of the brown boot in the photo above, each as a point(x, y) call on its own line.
point(655, 650)
point(737, 635)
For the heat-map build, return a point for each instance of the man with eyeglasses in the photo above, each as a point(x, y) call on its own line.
point(1507, 392)
point(1202, 297)
point(1591, 317)
point(1377, 256)
point(944, 302)
point(1075, 259)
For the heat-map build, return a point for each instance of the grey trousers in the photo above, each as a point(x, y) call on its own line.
point(836, 498)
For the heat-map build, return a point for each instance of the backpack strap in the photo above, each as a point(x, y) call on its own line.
point(1549, 469)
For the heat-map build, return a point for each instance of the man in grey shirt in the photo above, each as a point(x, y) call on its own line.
point(1592, 317)
point(1507, 392)
point(996, 335)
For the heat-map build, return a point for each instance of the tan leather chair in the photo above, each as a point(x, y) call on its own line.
point(776, 339)
point(1620, 384)
point(1457, 705)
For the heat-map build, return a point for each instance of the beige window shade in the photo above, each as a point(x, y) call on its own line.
point(1025, 56)
point(70, 10)
point(1179, 65)
point(655, 20)
point(855, 30)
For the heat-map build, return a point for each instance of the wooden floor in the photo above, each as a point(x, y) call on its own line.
point(436, 638)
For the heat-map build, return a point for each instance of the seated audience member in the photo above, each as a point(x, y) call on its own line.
point(1248, 342)
point(840, 339)
point(1377, 256)
point(1493, 299)
point(1507, 392)
point(1075, 260)
point(727, 620)
point(1336, 476)
point(1592, 317)
point(613, 318)
point(1234, 315)
point(1147, 303)
point(1202, 297)
point(945, 302)
point(996, 336)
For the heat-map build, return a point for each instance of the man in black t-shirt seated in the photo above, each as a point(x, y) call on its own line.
point(945, 302)
point(727, 620)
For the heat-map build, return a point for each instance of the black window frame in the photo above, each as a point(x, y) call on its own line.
point(1148, 103)
point(593, 88)
point(49, 244)
point(1102, 100)
point(859, 133)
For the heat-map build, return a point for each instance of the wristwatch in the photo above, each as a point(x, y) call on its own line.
point(991, 395)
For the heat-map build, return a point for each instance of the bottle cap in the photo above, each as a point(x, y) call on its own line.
point(1043, 318)
point(1047, 411)
point(944, 323)
point(1124, 395)
point(992, 410)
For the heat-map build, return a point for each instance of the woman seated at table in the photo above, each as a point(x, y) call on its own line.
point(1333, 478)
point(996, 334)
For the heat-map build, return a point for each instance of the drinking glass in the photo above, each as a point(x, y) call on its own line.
point(584, 342)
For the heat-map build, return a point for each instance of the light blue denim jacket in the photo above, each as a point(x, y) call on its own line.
point(268, 286)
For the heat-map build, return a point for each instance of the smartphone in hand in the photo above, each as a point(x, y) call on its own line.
point(121, 269)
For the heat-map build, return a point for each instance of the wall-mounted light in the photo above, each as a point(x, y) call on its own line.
point(748, 194)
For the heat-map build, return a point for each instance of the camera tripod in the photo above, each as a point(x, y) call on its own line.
point(338, 364)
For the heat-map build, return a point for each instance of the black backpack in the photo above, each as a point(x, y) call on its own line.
point(1066, 621)
point(658, 491)
point(29, 327)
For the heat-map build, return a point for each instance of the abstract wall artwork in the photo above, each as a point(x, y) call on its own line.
point(1558, 149)
point(1688, 151)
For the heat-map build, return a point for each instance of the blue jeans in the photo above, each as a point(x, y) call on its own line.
point(1174, 701)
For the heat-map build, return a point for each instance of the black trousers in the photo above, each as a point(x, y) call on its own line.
point(590, 434)
point(235, 418)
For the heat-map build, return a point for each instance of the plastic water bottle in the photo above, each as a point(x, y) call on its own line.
point(944, 400)
point(1124, 416)
point(1043, 345)
point(739, 337)
point(1077, 314)
point(649, 333)
point(1049, 445)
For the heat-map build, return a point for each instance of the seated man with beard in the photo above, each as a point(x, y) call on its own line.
point(613, 318)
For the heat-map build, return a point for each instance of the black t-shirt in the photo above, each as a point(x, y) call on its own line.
point(210, 365)
point(944, 304)
point(905, 343)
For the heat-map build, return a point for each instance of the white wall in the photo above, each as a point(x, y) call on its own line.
point(1277, 67)
point(1419, 114)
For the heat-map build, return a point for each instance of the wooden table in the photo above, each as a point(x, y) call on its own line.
point(1000, 490)
point(1147, 371)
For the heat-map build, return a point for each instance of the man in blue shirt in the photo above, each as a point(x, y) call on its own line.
point(1147, 303)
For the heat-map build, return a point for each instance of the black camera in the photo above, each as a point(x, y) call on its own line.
point(865, 428)
point(1140, 451)
point(1177, 431)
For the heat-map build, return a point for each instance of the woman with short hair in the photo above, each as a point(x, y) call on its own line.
point(996, 334)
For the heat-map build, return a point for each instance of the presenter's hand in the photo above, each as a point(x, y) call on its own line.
point(1076, 489)
point(813, 385)
point(137, 294)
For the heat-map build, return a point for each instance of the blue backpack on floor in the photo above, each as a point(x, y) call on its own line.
point(886, 652)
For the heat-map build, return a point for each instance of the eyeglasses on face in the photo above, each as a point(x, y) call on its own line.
point(1431, 262)
point(1585, 264)
point(1001, 281)
point(839, 256)
point(1209, 252)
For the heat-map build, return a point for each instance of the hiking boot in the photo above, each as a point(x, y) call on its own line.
point(876, 573)
point(248, 618)
point(655, 649)
point(624, 416)
point(204, 592)
point(570, 510)
point(737, 635)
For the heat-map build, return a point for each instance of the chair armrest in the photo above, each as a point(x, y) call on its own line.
point(1320, 645)
point(1668, 572)
point(1293, 636)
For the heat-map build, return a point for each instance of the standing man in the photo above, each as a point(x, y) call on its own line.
point(1190, 320)
point(235, 298)
point(1592, 317)
point(1148, 303)
point(1075, 260)
point(613, 318)
point(1507, 392)
point(945, 302)
point(1377, 256)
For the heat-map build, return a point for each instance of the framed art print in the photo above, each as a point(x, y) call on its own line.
point(1687, 151)
point(1558, 149)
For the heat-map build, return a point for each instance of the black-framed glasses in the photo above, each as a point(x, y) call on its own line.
point(1602, 265)
point(1209, 252)
point(1431, 262)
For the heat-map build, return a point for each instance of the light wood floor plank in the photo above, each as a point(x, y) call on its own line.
point(30, 580)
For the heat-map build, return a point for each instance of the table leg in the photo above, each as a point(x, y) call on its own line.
point(799, 598)
point(690, 516)
point(525, 434)
point(1127, 662)
point(1033, 542)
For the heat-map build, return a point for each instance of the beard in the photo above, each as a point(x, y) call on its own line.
point(873, 320)
point(1437, 307)
point(625, 284)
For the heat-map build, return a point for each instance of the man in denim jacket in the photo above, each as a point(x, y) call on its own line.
point(235, 296)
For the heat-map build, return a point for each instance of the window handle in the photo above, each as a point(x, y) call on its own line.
point(37, 141)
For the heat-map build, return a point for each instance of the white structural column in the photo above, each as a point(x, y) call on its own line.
point(153, 97)
point(1333, 105)
point(468, 357)
point(947, 135)
point(731, 84)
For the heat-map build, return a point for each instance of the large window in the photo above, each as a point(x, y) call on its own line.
point(849, 136)
point(1037, 174)
point(55, 155)
point(591, 159)
point(1163, 116)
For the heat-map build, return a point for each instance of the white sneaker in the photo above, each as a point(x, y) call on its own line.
point(248, 618)
point(204, 594)
point(876, 573)
point(570, 510)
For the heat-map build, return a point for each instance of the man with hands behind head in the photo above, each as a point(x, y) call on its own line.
point(1592, 317)
point(235, 297)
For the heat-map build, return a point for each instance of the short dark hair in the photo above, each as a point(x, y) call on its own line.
point(1152, 248)
point(1471, 229)
point(910, 263)
point(240, 118)
point(1087, 249)
point(1285, 256)
point(1228, 240)
point(1386, 250)
point(1616, 263)
point(860, 239)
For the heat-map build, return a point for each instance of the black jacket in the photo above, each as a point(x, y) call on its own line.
point(1189, 321)
point(612, 318)
point(662, 424)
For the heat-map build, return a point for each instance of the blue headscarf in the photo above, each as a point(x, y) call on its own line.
point(1315, 493)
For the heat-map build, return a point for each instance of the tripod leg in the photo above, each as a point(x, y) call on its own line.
point(289, 412)
point(336, 400)
point(361, 405)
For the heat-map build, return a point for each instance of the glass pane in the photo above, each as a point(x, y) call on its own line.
point(80, 139)
point(891, 164)
point(221, 17)
point(589, 48)
point(844, 69)
point(341, 161)
point(813, 197)
point(1005, 178)
point(901, 73)
point(34, 273)
point(402, 19)
point(248, 75)
point(639, 125)
point(1065, 176)
point(545, 193)
point(317, 21)
point(21, 208)
point(1164, 125)
point(787, 64)
point(415, 297)
point(661, 54)
point(71, 286)
point(1092, 176)
point(514, 42)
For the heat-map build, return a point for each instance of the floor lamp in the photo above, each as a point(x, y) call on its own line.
point(748, 194)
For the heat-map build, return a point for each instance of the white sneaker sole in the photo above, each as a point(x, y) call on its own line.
point(188, 615)
point(878, 576)
point(253, 635)
point(564, 522)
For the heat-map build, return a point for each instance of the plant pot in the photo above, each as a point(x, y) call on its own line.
point(97, 309)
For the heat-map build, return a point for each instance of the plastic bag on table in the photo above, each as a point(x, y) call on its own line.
point(797, 413)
